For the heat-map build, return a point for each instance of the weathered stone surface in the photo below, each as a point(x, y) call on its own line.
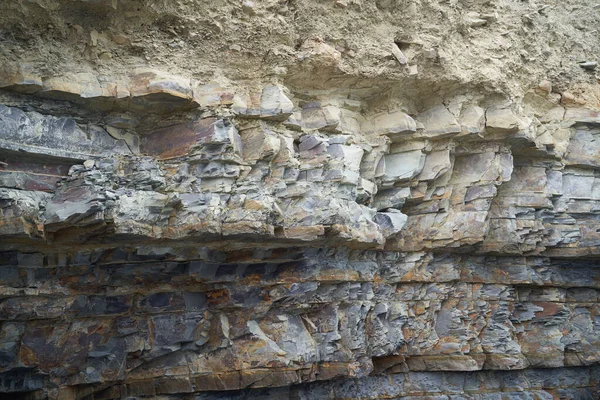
point(20, 77)
point(56, 137)
point(271, 103)
point(473, 120)
point(403, 166)
point(395, 125)
point(501, 119)
point(299, 200)
point(438, 121)
point(205, 135)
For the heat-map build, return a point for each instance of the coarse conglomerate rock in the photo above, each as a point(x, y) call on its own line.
point(319, 199)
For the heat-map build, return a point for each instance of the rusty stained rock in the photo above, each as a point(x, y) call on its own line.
point(264, 214)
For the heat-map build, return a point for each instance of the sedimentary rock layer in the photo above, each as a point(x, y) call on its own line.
point(294, 215)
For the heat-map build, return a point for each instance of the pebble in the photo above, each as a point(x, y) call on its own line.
point(398, 54)
point(89, 164)
point(105, 56)
point(120, 39)
point(430, 54)
point(589, 65)
point(248, 7)
point(545, 86)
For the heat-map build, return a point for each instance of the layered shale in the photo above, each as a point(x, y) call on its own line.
point(299, 199)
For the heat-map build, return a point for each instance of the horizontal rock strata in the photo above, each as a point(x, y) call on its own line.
point(303, 226)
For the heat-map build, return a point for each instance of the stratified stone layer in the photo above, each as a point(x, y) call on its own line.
point(303, 226)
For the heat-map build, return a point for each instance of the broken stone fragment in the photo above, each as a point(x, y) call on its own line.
point(35, 133)
point(436, 163)
point(212, 94)
point(588, 65)
point(129, 136)
point(313, 116)
point(178, 140)
point(368, 187)
point(569, 99)
point(294, 121)
point(555, 114)
point(20, 78)
point(501, 119)
point(271, 103)
point(472, 120)
point(430, 54)
point(308, 142)
point(583, 149)
point(403, 166)
point(544, 87)
point(350, 154)
point(439, 122)
point(248, 7)
point(274, 104)
point(397, 53)
point(372, 163)
point(391, 198)
point(286, 155)
point(259, 143)
point(390, 222)
point(474, 19)
point(482, 167)
point(89, 164)
point(396, 125)
point(315, 52)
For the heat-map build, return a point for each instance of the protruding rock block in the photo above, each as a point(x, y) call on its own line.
point(584, 149)
point(439, 122)
point(323, 118)
point(74, 206)
point(582, 116)
point(142, 91)
point(20, 213)
point(62, 138)
point(501, 120)
point(403, 166)
point(259, 143)
point(20, 78)
point(391, 222)
point(212, 94)
point(271, 103)
point(436, 163)
point(472, 120)
point(161, 92)
point(396, 125)
point(84, 85)
point(274, 104)
point(207, 134)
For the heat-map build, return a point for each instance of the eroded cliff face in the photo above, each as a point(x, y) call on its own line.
point(299, 199)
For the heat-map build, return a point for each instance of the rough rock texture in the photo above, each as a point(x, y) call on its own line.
point(279, 199)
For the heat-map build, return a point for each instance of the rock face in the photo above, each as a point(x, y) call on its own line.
point(246, 201)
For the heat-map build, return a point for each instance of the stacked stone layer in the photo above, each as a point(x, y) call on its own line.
point(273, 243)
point(308, 233)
